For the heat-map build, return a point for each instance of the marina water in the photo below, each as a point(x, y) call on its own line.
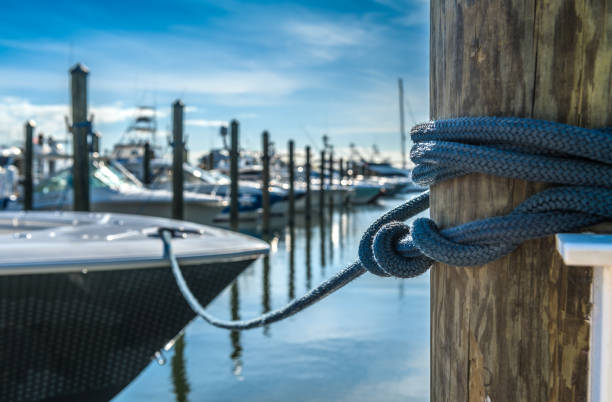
point(367, 342)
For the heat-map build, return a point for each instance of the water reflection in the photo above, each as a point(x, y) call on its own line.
point(293, 359)
point(308, 260)
point(291, 262)
point(236, 354)
point(322, 239)
point(330, 222)
point(265, 298)
point(179, 373)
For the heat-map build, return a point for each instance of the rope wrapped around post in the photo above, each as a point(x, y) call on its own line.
point(577, 159)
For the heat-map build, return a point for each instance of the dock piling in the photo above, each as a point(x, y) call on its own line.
point(234, 175)
point(177, 160)
point(331, 182)
point(291, 169)
point(518, 328)
point(265, 184)
point(146, 164)
point(322, 185)
point(307, 175)
point(27, 169)
point(81, 128)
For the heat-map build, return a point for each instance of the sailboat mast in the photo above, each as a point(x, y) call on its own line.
point(401, 112)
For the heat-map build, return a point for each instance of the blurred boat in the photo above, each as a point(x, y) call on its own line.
point(88, 299)
point(113, 189)
point(215, 183)
point(394, 179)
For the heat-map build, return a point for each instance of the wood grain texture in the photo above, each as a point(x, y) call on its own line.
point(516, 329)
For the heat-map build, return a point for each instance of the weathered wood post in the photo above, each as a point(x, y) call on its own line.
point(516, 329)
point(146, 164)
point(95, 142)
point(234, 175)
point(178, 204)
point(28, 187)
point(211, 160)
point(291, 169)
point(322, 185)
point(332, 193)
point(265, 184)
point(341, 169)
point(81, 128)
point(400, 86)
point(307, 174)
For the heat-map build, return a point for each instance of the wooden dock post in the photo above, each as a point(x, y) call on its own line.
point(516, 329)
point(95, 143)
point(28, 180)
point(265, 184)
point(322, 185)
point(146, 164)
point(81, 129)
point(307, 174)
point(291, 169)
point(234, 175)
point(331, 183)
point(178, 204)
point(341, 169)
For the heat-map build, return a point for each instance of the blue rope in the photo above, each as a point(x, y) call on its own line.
point(579, 159)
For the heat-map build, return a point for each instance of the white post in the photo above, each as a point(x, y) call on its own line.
point(595, 250)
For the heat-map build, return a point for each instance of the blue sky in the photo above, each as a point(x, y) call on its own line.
point(298, 70)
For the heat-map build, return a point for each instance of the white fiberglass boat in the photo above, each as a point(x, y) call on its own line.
point(87, 299)
point(214, 183)
point(113, 190)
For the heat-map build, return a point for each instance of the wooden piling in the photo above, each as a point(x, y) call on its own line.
point(265, 184)
point(291, 169)
point(81, 128)
point(516, 329)
point(95, 143)
point(146, 164)
point(322, 185)
point(341, 169)
point(178, 204)
point(28, 180)
point(234, 175)
point(307, 174)
point(331, 183)
point(400, 85)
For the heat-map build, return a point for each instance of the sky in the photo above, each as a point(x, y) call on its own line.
point(298, 70)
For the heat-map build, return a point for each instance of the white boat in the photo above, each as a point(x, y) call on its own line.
point(365, 192)
point(9, 176)
point(213, 182)
point(87, 299)
point(113, 190)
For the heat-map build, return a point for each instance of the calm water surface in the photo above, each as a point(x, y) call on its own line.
point(367, 342)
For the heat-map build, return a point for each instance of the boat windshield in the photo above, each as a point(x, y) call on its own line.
point(208, 176)
point(101, 175)
point(109, 176)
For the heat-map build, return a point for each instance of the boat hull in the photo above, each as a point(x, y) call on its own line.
point(85, 336)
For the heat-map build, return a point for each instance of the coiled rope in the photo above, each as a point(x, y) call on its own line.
point(578, 159)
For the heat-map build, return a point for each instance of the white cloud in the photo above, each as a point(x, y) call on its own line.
point(49, 118)
point(205, 123)
point(326, 34)
point(242, 82)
